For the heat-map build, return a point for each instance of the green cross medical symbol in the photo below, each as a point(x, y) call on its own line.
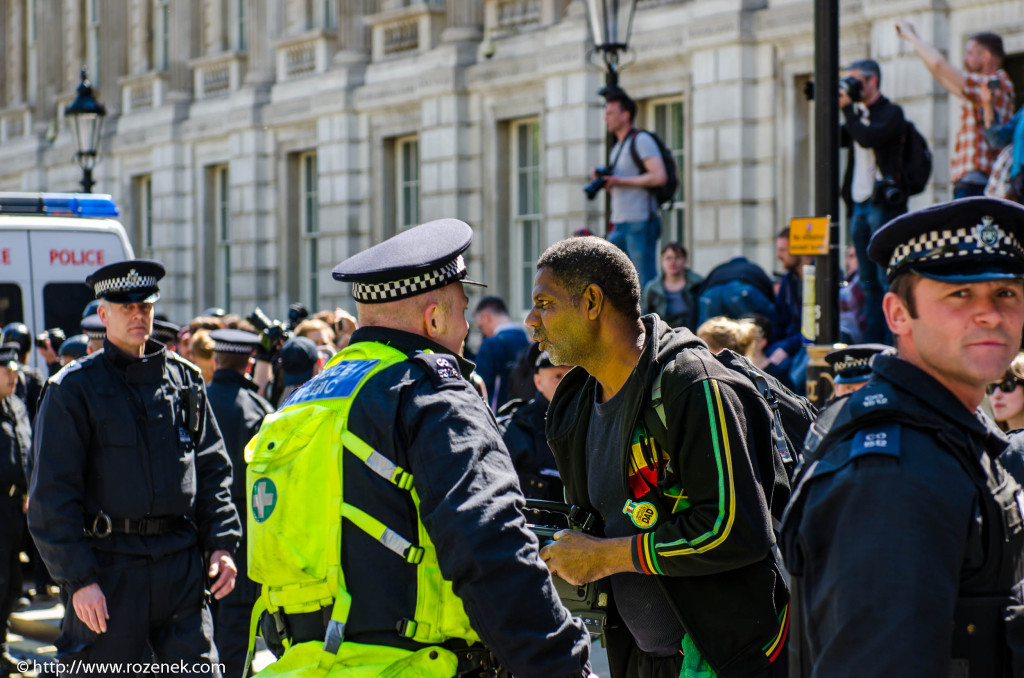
point(264, 499)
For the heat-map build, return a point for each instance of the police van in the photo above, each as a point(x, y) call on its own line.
point(49, 244)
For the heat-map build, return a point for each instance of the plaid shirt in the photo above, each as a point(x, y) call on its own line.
point(972, 151)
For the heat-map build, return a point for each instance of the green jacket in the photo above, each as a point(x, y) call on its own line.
point(655, 300)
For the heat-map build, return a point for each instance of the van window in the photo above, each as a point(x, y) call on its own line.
point(63, 304)
point(11, 309)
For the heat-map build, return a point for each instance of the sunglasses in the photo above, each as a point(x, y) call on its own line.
point(1006, 386)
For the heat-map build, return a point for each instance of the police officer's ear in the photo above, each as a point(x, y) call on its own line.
point(104, 313)
point(897, 315)
point(593, 301)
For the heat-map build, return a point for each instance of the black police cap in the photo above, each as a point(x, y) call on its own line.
point(127, 282)
point(234, 341)
point(421, 259)
point(852, 364)
point(966, 240)
point(543, 360)
point(93, 327)
point(17, 333)
point(165, 331)
point(9, 355)
point(75, 347)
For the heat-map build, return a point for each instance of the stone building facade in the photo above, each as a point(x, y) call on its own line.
point(253, 144)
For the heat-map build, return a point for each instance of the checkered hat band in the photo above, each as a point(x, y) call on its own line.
point(96, 335)
point(129, 283)
point(376, 293)
point(225, 347)
point(949, 244)
point(851, 363)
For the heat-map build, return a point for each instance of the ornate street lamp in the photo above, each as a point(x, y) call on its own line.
point(611, 22)
point(85, 115)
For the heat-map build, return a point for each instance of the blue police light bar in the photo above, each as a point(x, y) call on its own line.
point(95, 205)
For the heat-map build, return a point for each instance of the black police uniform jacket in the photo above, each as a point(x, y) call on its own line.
point(426, 417)
point(903, 532)
point(523, 433)
point(712, 477)
point(15, 446)
point(134, 438)
point(239, 411)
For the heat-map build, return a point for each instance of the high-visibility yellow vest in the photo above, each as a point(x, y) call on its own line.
point(296, 490)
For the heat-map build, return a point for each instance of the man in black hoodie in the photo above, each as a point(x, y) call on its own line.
point(873, 185)
point(685, 510)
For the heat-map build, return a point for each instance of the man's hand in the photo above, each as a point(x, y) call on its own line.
point(905, 29)
point(844, 99)
point(222, 564)
point(91, 607)
point(611, 181)
point(777, 356)
point(46, 352)
point(579, 558)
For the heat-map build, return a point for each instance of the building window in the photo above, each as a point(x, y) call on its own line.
point(330, 13)
point(92, 41)
point(526, 210)
point(407, 162)
point(222, 227)
point(309, 221)
point(668, 118)
point(143, 213)
point(161, 34)
point(241, 27)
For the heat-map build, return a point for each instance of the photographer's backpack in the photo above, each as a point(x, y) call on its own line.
point(297, 503)
point(667, 191)
point(915, 160)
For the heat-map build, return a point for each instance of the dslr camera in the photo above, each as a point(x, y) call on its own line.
point(594, 187)
point(888, 192)
point(853, 87)
point(589, 602)
point(273, 333)
point(54, 334)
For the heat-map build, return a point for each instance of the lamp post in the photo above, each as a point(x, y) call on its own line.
point(611, 22)
point(85, 115)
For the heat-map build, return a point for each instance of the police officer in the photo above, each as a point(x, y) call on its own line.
point(522, 429)
point(74, 347)
point(239, 411)
point(422, 414)
point(30, 380)
point(851, 366)
point(129, 500)
point(94, 328)
point(905, 535)
point(15, 438)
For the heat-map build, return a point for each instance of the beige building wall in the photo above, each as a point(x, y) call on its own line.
point(251, 145)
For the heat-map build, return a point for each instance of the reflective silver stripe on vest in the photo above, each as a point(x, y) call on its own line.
point(394, 542)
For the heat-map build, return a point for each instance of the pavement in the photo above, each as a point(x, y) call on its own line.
point(34, 629)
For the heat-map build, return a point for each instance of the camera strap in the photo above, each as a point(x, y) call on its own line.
point(622, 146)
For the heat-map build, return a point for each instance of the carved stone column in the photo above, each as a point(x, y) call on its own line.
point(15, 60)
point(140, 21)
point(353, 32)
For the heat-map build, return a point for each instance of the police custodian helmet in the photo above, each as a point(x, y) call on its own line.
point(423, 258)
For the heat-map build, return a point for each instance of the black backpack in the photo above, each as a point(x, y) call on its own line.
point(667, 191)
point(520, 373)
point(915, 161)
point(792, 414)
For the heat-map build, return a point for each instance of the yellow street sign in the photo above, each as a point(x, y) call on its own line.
point(808, 235)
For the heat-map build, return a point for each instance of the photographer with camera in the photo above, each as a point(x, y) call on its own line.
point(973, 156)
point(873, 186)
point(635, 219)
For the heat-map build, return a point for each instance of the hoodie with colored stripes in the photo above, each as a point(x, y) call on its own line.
point(699, 490)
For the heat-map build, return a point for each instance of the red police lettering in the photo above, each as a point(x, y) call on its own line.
point(5, 256)
point(78, 257)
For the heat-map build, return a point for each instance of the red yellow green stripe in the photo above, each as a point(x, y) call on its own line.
point(773, 648)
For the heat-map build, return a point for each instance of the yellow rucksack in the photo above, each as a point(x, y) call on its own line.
point(296, 490)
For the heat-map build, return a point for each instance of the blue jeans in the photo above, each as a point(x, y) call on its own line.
point(734, 299)
point(639, 240)
point(868, 218)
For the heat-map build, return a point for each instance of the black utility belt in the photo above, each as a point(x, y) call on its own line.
point(101, 525)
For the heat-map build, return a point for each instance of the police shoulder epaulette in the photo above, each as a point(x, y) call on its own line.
point(184, 362)
point(442, 368)
point(72, 366)
point(882, 438)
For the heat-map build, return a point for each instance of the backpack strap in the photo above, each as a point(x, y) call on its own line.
point(657, 402)
point(634, 133)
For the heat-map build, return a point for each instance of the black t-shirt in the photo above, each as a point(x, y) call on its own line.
point(641, 602)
